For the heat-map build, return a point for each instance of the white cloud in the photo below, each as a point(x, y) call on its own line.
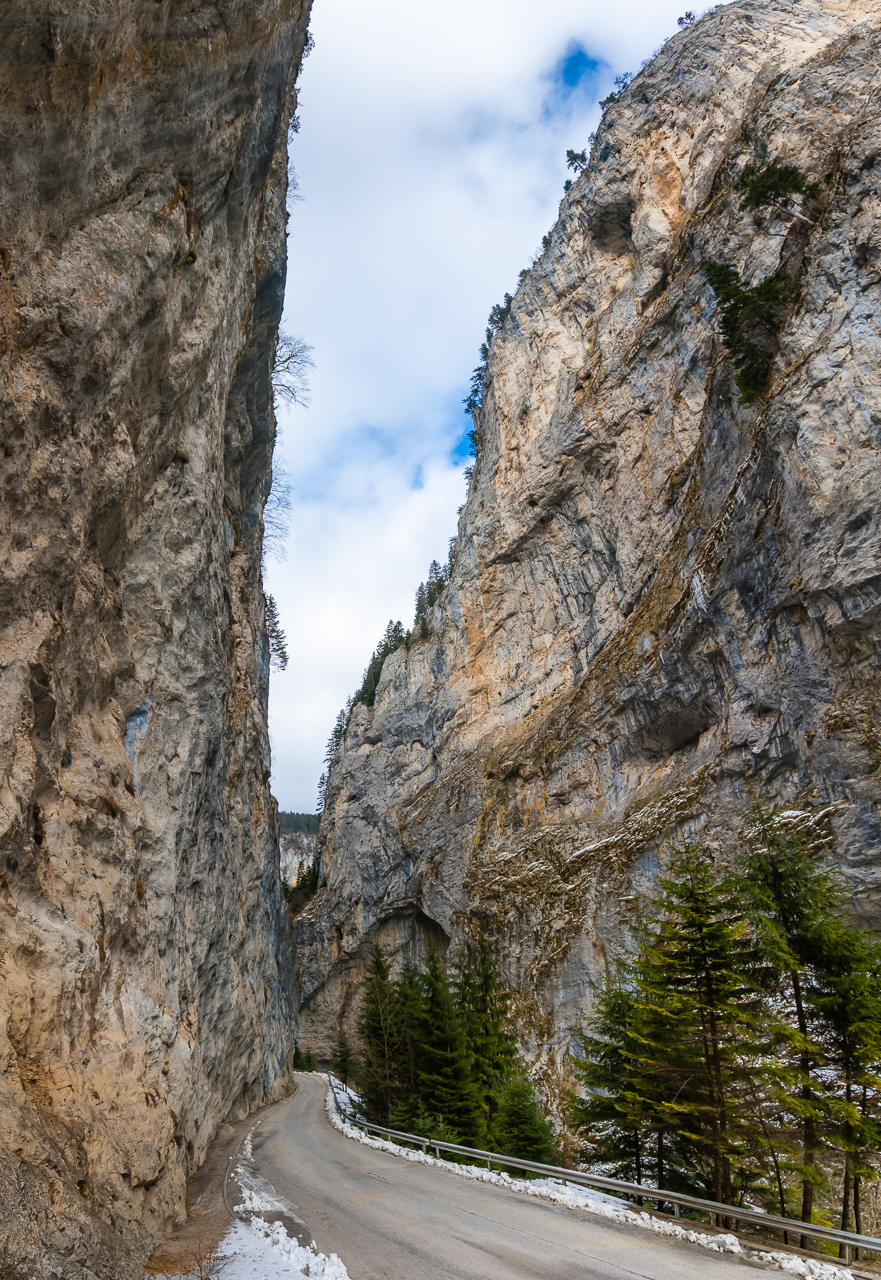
point(431, 160)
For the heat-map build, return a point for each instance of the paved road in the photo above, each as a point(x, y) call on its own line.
point(389, 1219)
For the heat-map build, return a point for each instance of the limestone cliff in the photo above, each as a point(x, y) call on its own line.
point(298, 849)
point(144, 948)
point(663, 599)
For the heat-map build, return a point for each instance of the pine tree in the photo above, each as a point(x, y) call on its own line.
point(483, 1007)
point(521, 1129)
point(445, 1085)
point(381, 1032)
point(792, 901)
point(673, 1048)
point(393, 637)
point(342, 1059)
point(411, 999)
point(278, 649)
point(615, 1137)
point(659, 1092)
point(699, 967)
point(843, 999)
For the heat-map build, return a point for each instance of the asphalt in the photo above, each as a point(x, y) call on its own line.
point(389, 1219)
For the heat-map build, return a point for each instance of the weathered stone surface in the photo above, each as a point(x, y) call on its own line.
point(298, 849)
point(663, 600)
point(144, 949)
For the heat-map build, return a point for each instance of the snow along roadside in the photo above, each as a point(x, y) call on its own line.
point(254, 1245)
point(572, 1197)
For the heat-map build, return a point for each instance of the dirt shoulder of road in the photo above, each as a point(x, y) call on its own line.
point(186, 1251)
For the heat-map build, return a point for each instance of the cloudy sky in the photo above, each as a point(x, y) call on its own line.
point(431, 161)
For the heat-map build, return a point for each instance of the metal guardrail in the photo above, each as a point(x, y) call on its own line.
point(737, 1213)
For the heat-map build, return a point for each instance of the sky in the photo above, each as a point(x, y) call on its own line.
point(430, 159)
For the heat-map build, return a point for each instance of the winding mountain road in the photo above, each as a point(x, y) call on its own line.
point(389, 1219)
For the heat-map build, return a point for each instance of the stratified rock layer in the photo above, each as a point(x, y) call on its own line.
point(663, 600)
point(144, 948)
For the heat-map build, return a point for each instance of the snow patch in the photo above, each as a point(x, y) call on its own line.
point(256, 1249)
point(571, 1196)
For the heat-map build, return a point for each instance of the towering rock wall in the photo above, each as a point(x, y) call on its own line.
point(145, 984)
point(663, 600)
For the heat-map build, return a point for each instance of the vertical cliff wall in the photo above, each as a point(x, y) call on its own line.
point(145, 956)
point(664, 600)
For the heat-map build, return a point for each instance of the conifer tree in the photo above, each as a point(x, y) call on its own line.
point(743, 1040)
point(699, 967)
point(410, 1003)
point(380, 1031)
point(522, 1130)
point(665, 1055)
point(843, 998)
point(421, 601)
point(614, 1134)
point(483, 1007)
point(342, 1059)
point(445, 1085)
point(792, 901)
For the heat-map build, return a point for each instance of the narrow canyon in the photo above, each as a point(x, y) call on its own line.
point(663, 601)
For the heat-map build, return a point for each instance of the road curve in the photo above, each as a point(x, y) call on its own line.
point(389, 1219)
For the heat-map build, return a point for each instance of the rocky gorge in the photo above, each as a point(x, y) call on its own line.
point(146, 963)
point(664, 594)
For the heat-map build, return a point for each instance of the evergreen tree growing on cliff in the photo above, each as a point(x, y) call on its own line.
point(392, 639)
point(278, 649)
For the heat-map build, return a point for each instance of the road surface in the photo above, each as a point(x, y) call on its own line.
point(388, 1219)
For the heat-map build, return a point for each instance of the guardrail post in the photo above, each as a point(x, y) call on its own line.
point(675, 1209)
point(489, 1164)
point(425, 1148)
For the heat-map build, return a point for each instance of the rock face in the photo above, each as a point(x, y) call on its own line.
point(664, 600)
point(298, 850)
point(144, 949)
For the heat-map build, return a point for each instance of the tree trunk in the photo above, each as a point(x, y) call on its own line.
point(782, 1195)
point(845, 1204)
point(857, 1214)
point(809, 1130)
point(660, 1159)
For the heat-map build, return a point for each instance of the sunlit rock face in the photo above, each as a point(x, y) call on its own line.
point(663, 600)
point(145, 984)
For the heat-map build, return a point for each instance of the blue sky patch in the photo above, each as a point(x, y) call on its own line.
point(575, 66)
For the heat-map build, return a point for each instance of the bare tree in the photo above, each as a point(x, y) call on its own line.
point(276, 513)
point(290, 378)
